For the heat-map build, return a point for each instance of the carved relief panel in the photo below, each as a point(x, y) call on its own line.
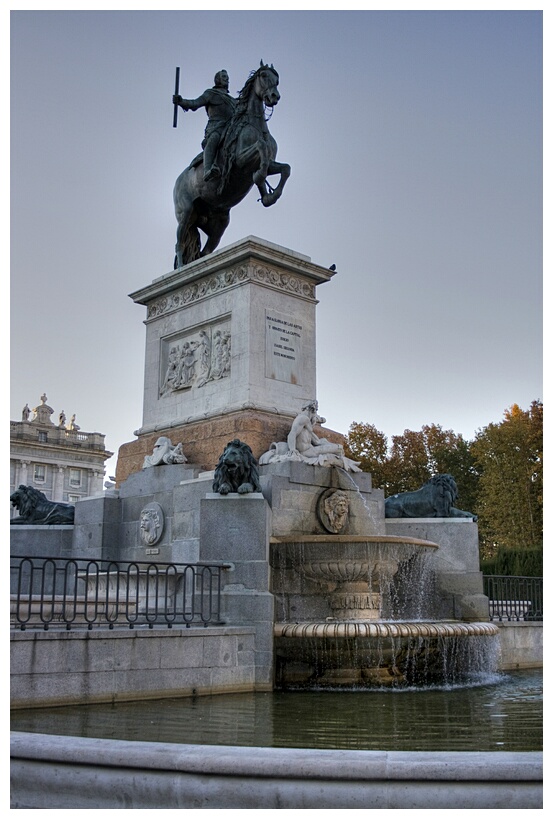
point(194, 358)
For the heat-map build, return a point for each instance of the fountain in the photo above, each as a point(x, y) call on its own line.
point(350, 612)
point(318, 589)
point(330, 589)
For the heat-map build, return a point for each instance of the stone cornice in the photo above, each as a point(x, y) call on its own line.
point(251, 260)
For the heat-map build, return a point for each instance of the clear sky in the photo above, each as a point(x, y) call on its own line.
point(415, 140)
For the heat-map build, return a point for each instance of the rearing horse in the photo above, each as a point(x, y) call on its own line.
point(247, 157)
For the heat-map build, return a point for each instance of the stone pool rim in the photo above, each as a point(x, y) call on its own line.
point(50, 771)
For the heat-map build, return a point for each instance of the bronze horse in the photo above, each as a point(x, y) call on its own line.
point(247, 157)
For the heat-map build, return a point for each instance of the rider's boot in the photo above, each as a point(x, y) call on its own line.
point(211, 173)
point(211, 170)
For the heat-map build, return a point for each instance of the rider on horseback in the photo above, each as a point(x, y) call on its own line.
point(219, 106)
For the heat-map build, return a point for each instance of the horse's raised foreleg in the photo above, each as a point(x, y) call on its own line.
point(270, 195)
point(257, 155)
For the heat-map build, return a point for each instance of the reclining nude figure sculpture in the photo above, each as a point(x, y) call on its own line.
point(304, 445)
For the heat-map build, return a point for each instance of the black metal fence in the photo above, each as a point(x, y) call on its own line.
point(56, 592)
point(514, 598)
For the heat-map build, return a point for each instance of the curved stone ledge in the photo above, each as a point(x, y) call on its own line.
point(72, 772)
point(385, 540)
point(383, 629)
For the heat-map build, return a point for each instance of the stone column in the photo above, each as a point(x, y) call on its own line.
point(57, 483)
point(23, 473)
point(96, 483)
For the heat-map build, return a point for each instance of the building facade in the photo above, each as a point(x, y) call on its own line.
point(60, 460)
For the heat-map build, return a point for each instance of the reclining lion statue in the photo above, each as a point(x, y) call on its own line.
point(433, 500)
point(35, 508)
point(237, 470)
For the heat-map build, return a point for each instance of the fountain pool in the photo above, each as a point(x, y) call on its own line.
point(492, 712)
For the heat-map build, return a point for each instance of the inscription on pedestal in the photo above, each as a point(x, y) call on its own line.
point(283, 337)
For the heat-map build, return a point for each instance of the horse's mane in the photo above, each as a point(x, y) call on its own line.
point(32, 498)
point(244, 94)
point(237, 122)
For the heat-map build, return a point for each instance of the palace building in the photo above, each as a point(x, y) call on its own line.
point(60, 460)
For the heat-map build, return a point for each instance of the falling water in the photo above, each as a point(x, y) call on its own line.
point(330, 635)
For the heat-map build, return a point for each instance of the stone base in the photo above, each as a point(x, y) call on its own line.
point(204, 441)
point(459, 585)
point(367, 655)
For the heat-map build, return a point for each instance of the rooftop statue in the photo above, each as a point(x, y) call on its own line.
point(304, 445)
point(238, 153)
point(433, 500)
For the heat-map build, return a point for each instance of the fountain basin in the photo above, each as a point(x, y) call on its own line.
point(383, 629)
point(375, 654)
point(340, 576)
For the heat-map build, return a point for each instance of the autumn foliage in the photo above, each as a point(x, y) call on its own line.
point(499, 474)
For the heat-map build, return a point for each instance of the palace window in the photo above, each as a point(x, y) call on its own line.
point(40, 473)
point(74, 477)
point(43, 437)
point(73, 498)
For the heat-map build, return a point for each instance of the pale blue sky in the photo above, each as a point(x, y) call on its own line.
point(415, 145)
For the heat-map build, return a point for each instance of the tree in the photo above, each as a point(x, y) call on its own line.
point(416, 456)
point(413, 458)
point(509, 458)
point(366, 444)
point(499, 475)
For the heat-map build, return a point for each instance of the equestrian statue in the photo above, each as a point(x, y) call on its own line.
point(238, 153)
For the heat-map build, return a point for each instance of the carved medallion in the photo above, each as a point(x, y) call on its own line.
point(333, 510)
point(152, 521)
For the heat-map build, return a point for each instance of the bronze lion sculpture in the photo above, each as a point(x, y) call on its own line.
point(35, 508)
point(237, 470)
point(433, 500)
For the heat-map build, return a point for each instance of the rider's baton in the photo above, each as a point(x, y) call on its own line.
point(176, 107)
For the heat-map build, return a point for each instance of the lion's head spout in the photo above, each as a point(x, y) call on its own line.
point(237, 470)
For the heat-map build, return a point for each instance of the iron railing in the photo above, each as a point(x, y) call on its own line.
point(77, 592)
point(514, 598)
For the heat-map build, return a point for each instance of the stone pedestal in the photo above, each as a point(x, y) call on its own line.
point(230, 349)
point(459, 593)
point(236, 528)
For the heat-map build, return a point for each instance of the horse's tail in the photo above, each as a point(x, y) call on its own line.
point(191, 246)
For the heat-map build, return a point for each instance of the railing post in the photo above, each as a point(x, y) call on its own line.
point(69, 592)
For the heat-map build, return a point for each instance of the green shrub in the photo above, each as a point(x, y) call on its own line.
point(515, 563)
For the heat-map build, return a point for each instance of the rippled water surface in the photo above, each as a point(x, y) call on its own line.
point(502, 712)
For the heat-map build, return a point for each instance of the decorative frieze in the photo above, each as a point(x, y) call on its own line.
point(215, 283)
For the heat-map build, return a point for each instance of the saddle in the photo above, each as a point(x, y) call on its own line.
point(224, 155)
